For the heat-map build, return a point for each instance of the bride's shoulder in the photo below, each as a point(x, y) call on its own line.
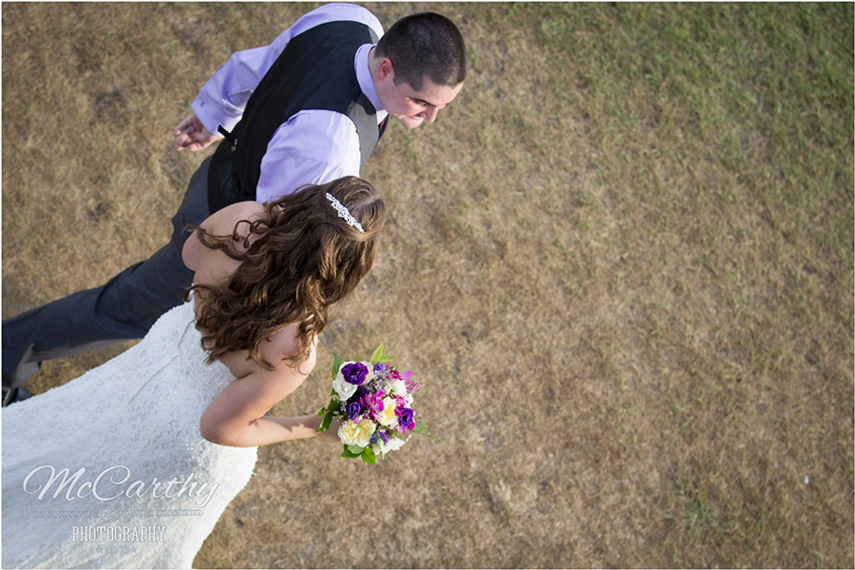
point(220, 223)
point(224, 221)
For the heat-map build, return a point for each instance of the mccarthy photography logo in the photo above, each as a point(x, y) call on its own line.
point(118, 533)
point(111, 484)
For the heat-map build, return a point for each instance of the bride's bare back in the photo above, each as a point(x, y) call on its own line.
point(236, 416)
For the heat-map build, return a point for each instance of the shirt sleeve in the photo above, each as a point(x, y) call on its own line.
point(313, 147)
point(222, 99)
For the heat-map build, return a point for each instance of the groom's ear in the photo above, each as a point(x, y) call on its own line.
point(385, 70)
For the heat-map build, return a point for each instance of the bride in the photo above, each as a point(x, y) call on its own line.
point(132, 464)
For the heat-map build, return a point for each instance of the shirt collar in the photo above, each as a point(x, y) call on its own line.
point(363, 76)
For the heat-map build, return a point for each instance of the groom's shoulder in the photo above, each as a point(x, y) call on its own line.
point(337, 12)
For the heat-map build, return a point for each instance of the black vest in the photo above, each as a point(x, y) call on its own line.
point(315, 71)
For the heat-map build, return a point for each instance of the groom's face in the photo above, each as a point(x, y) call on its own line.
point(413, 107)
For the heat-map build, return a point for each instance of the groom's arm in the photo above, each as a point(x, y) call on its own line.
point(191, 133)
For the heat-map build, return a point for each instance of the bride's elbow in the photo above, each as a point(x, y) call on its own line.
point(212, 434)
point(217, 433)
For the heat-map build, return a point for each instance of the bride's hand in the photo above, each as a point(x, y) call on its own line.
point(331, 433)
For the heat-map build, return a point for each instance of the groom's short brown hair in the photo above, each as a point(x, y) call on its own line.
point(425, 45)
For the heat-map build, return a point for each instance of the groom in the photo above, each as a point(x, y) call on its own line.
point(327, 85)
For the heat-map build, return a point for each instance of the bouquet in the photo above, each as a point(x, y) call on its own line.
point(373, 404)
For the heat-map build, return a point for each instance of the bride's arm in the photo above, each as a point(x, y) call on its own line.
point(236, 415)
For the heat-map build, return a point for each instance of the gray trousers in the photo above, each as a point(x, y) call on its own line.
point(123, 308)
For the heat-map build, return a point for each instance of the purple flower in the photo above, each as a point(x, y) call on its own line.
point(354, 373)
point(353, 410)
point(379, 436)
point(405, 419)
point(361, 391)
point(373, 402)
point(380, 369)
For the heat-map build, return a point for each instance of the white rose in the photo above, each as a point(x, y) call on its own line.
point(393, 444)
point(342, 387)
point(398, 387)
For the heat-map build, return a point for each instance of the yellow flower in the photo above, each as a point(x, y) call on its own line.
point(351, 433)
point(346, 432)
point(387, 416)
point(364, 431)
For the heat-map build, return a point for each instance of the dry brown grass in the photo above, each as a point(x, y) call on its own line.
point(621, 261)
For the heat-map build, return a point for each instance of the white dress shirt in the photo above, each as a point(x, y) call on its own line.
point(313, 146)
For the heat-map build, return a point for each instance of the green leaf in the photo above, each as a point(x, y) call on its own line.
point(378, 354)
point(355, 449)
point(369, 457)
point(347, 454)
point(321, 412)
point(419, 428)
point(325, 423)
point(386, 358)
point(336, 364)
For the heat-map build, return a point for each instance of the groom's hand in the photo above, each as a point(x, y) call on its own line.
point(191, 133)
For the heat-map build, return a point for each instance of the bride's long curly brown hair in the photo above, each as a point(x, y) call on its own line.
point(304, 259)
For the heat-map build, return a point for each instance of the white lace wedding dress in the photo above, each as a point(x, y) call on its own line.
point(109, 470)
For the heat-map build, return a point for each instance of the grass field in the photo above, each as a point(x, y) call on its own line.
point(621, 262)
